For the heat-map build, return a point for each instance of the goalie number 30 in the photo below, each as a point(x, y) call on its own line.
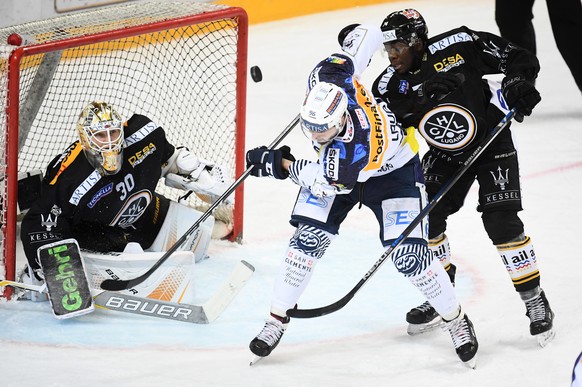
point(126, 186)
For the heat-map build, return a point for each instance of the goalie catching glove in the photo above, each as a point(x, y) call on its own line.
point(267, 162)
point(187, 172)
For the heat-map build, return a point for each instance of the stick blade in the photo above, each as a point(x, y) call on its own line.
point(322, 311)
point(115, 285)
point(227, 292)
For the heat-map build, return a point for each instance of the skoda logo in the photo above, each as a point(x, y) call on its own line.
point(449, 127)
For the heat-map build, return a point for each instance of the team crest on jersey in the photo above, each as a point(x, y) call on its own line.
point(449, 127)
point(132, 210)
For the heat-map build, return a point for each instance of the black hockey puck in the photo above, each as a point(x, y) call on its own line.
point(256, 74)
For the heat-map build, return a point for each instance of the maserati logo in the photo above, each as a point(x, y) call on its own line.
point(500, 179)
point(449, 127)
point(51, 219)
point(427, 163)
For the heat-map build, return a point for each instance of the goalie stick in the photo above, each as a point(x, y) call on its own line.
point(334, 307)
point(111, 284)
point(198, 314)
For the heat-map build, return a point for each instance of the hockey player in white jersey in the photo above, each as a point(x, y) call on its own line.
point(365, 158)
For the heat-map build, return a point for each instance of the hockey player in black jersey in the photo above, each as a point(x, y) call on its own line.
point(101, 190)
point(436, 85)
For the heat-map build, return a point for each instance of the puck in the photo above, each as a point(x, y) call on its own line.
point(256, 74)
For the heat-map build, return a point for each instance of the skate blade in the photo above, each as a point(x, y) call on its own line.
point(417, 329)
point(545, 338)
point(471, 363)
point(255, 360)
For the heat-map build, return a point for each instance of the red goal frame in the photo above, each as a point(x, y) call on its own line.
point(12, 112)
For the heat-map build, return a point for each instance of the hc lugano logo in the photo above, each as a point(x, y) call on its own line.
point(449, 127)
point(500, 179)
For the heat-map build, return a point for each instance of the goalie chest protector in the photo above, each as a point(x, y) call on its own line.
point(66, 279)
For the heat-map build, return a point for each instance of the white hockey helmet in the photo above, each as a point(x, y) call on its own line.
point(324, 112)
point(100, 130)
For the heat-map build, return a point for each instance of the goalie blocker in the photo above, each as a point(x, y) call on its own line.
point(66, 279)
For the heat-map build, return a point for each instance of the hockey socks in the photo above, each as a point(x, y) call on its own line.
point(521, 263)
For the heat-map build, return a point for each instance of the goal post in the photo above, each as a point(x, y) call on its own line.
point(182, 64)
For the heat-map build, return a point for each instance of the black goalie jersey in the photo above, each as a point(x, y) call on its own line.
point(457, 122)
point(102, 212)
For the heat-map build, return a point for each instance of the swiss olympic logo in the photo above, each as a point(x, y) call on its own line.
point(449, 127)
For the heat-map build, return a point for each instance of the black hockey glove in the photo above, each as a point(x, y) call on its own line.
point(439, 85)
point(269, 162)
point(521, 94)
point(344, 33)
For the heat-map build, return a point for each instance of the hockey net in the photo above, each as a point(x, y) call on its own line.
point(181, 64)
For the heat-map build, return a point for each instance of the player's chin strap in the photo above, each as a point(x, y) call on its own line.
point(322, 311)
point(110, 284)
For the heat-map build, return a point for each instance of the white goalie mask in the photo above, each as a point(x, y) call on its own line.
point(324, 112)
point(100, 130)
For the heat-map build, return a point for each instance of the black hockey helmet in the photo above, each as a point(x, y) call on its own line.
point(407, 25)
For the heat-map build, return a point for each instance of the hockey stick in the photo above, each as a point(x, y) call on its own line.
point(111, 284)
point(334, 307)
point(198, 314)
point(35, 288)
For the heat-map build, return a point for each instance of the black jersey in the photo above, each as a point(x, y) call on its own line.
point(456, 123)
point(102, 212)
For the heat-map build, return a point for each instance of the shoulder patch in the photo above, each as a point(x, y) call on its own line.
point(65, 160)
point(449, 40)
point(336, 60)
point(141, 133)
point(403, 87)
point(84, 187)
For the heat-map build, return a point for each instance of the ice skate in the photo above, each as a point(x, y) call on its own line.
point(464, 339)
point(26, 276)
point(541, 318)
point(422, 319)
point(269, 337)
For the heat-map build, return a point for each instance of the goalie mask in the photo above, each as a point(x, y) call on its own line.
point(324, 112)
point(100, 130)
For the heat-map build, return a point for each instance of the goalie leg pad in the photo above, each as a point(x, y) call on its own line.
point(178, 220)
point(174, 281)
point(66, 279)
